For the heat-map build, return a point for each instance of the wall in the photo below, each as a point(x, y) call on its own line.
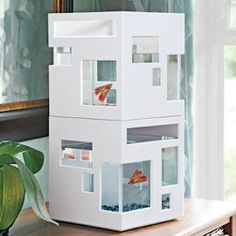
point(42, 145)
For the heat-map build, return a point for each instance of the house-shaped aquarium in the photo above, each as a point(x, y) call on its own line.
point(116, 120)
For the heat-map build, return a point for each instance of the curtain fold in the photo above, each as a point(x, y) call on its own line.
point(177, 6)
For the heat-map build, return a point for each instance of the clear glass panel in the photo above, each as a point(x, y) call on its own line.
point(136, 186)
point(173, 77)
point(99, 82)
point(76, 154)
point(88, 182)
point(145, 50)
point(230, 122)
point(63, 56)
point(152, 133)
point(165, 201)
point(24, 52)
point(156, 76)
point(169, 166)
point(233, 14)
point(110, 187)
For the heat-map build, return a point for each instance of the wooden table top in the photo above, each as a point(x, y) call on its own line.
point(199, 215)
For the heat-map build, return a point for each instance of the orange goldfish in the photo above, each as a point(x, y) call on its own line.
point(69, 153)
point(138, 177)
point(102, 92)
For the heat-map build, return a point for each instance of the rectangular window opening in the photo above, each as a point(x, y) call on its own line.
point(169, 166)
point(99, 83)
point(63, 56)
point(156, 76)
point(88, 182)
point(136, 186)
point(152, 133)
point(83, 28)
point(165, 201)
point(77, 154)
point(145, 49)
point(173, 77)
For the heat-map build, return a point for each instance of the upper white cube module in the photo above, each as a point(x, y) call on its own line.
point(136, 53)
point(116, 140)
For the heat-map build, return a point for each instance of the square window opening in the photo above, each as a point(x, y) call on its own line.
point(145, 49)
point(126, 187)
point(63, 56)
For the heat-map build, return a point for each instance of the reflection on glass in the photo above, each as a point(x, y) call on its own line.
point(76, 154)
point(145, 50)
point(110, 187)
point(99, 87)
point(165, 201)
point(88, 182)
point(152, 133)
point(172, 77)
point(136, 186)
point(156, 76)
point(169, 166)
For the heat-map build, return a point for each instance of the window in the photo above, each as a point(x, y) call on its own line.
point(24, 60)
point(76, 154)
point(63, 56)
point(145, 50)
point(152, 133)
point(232, 14)
point(99, 87)
point(126, 187)
point(173, 81)
point(165, 201)
point(169, 166)
point(230, 121)
point(88, 183)
point(214, 99)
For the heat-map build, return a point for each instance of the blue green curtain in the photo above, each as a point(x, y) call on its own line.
point(178, 6)
point(24, 54)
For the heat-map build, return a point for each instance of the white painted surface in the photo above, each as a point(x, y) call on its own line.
point(139, 104)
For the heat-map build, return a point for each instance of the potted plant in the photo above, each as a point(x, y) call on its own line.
point(18, 164)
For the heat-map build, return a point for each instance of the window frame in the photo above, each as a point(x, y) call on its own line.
point(212, 34)
point(21, 121)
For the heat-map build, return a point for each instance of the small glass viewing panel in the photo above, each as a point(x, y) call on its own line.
point(126, 187)
point(145, 50)
point(99, 83)
point(75, 153)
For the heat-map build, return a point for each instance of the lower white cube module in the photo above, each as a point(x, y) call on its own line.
point(116, 174)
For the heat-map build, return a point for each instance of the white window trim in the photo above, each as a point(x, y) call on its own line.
point(211, 35)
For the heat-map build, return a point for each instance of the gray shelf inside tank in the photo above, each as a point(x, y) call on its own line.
point(76, 145)
point(141, 138)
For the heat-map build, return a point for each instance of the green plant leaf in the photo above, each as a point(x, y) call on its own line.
point(34, 192)
point(33, 158)
point(6, 159)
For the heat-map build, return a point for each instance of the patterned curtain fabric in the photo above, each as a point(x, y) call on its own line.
point(24, 55)
point(178, 6)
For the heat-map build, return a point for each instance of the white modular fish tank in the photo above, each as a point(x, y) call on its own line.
point(116, 138)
